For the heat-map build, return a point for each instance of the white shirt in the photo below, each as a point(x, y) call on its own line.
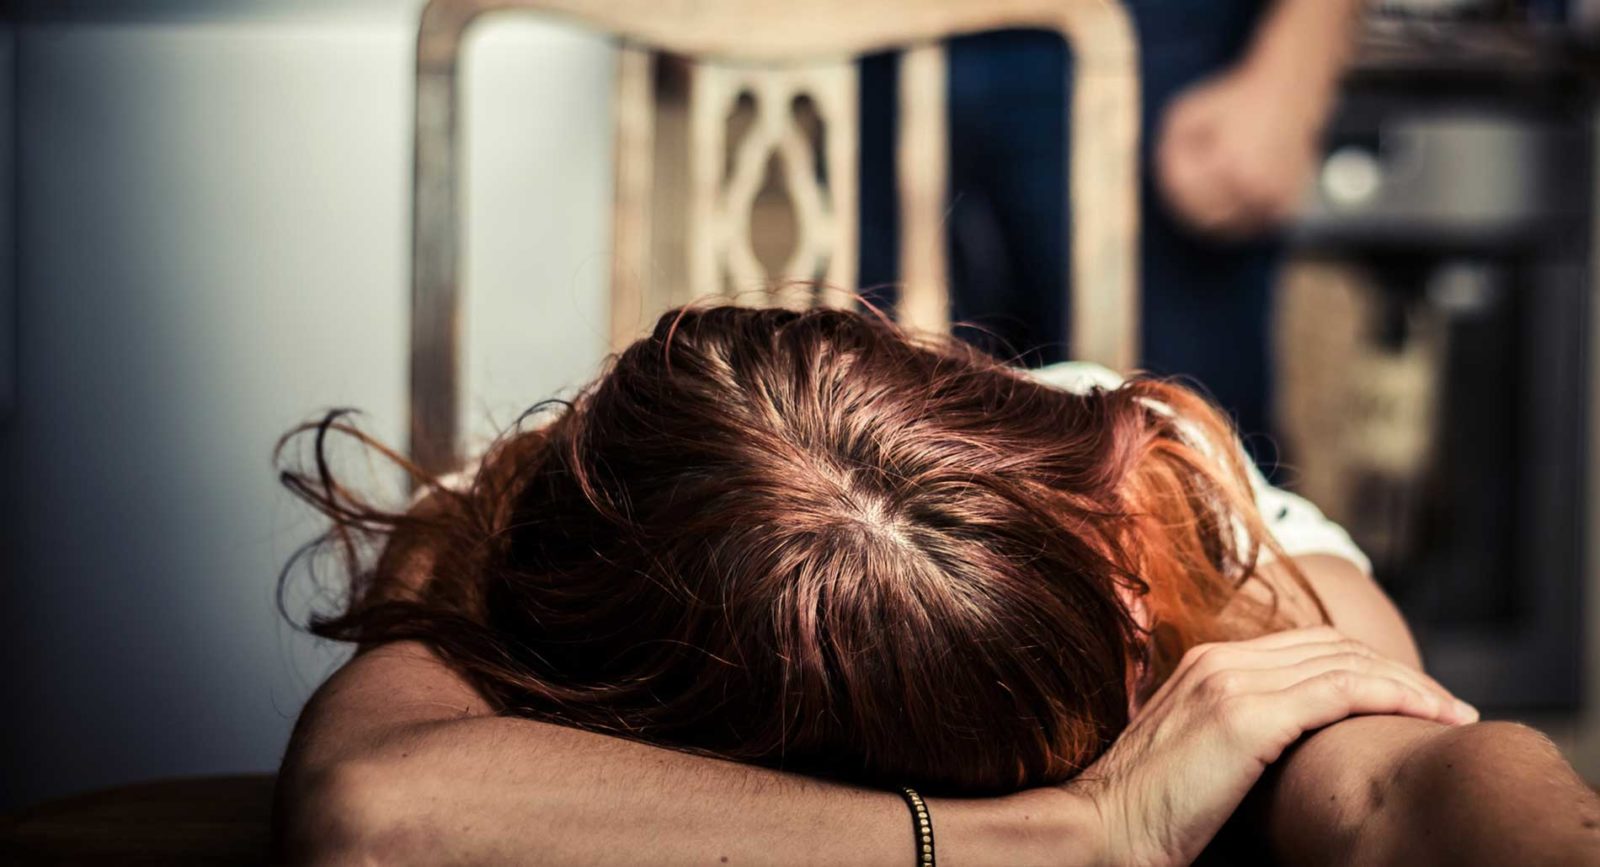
point(1299, 527)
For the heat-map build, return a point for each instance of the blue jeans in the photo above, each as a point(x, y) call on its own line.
point(1205, 309)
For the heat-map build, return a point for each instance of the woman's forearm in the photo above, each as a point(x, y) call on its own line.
point(1489, 794)
point(394, 764)
point(1379, 791)
point(509, 791)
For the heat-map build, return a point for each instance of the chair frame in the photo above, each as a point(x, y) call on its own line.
point(1103, 168)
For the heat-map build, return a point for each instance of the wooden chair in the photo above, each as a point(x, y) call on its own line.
point(195, 820)
point(687, 173)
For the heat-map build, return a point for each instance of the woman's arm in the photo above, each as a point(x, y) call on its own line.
point(1384, 790)
point(1390, 790)
point(396, 760)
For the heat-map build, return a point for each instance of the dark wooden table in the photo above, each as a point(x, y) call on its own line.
point(202, 820)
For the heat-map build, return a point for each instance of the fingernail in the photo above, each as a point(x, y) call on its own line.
point(1466, 712)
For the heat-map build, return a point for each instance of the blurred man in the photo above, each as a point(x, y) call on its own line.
point(1235, 97)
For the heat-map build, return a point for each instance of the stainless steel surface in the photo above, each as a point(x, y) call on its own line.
point(1421, 175)
point(1434, 8)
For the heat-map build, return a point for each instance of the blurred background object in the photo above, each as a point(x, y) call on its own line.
point(738, 134)
point(1433, 333)
point(212, 236)
point(205, 238)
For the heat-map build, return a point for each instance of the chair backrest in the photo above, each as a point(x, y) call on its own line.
point(714, 94)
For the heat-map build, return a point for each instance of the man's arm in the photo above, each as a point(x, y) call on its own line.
point(1234, 151)
point(1308, 43)
point(1391, 790)
point(397, 760)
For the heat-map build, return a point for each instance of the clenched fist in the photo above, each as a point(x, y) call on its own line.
point(1235, 152)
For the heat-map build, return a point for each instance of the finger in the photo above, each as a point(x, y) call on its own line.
point(1185, 121)
point(1327, 698)
point(1242, 222)
point(1213, 656)
point(1284, 204)
point(1220, 662)
point(1237, 214)
point(1319, 634)
point(1294, 654)
point(1267, 723)
point(1206, 203)
point(1251, 655)
point(1373, 663)
point(1207, 189)
point(1272, 679)
point(1318, 639)
point(1192, 182)
point(1290, 647)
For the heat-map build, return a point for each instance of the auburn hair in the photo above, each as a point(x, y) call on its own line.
point(813, 541)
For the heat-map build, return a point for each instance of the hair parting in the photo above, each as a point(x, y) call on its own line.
point(811, 540)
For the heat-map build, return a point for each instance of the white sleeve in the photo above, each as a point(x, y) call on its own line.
point(1299, 527)
point(459, 480)
point(1077, 376)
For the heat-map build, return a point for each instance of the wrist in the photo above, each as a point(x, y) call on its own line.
point(1299, 54)
point(1301, 92)
point(1055, 826)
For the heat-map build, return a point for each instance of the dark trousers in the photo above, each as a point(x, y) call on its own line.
point(1206, 303)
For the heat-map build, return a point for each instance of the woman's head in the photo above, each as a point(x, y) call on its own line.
point(806, 540)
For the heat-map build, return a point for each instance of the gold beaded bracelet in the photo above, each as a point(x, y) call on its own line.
point(921, 826)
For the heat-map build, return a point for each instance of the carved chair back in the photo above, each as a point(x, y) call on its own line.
point(720, 104)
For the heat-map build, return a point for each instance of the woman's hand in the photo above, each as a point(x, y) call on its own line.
point(1229, 710)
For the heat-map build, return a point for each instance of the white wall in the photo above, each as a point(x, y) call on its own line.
point(213, 231)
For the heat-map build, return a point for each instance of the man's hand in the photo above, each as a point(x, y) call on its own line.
point(1235, 151)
